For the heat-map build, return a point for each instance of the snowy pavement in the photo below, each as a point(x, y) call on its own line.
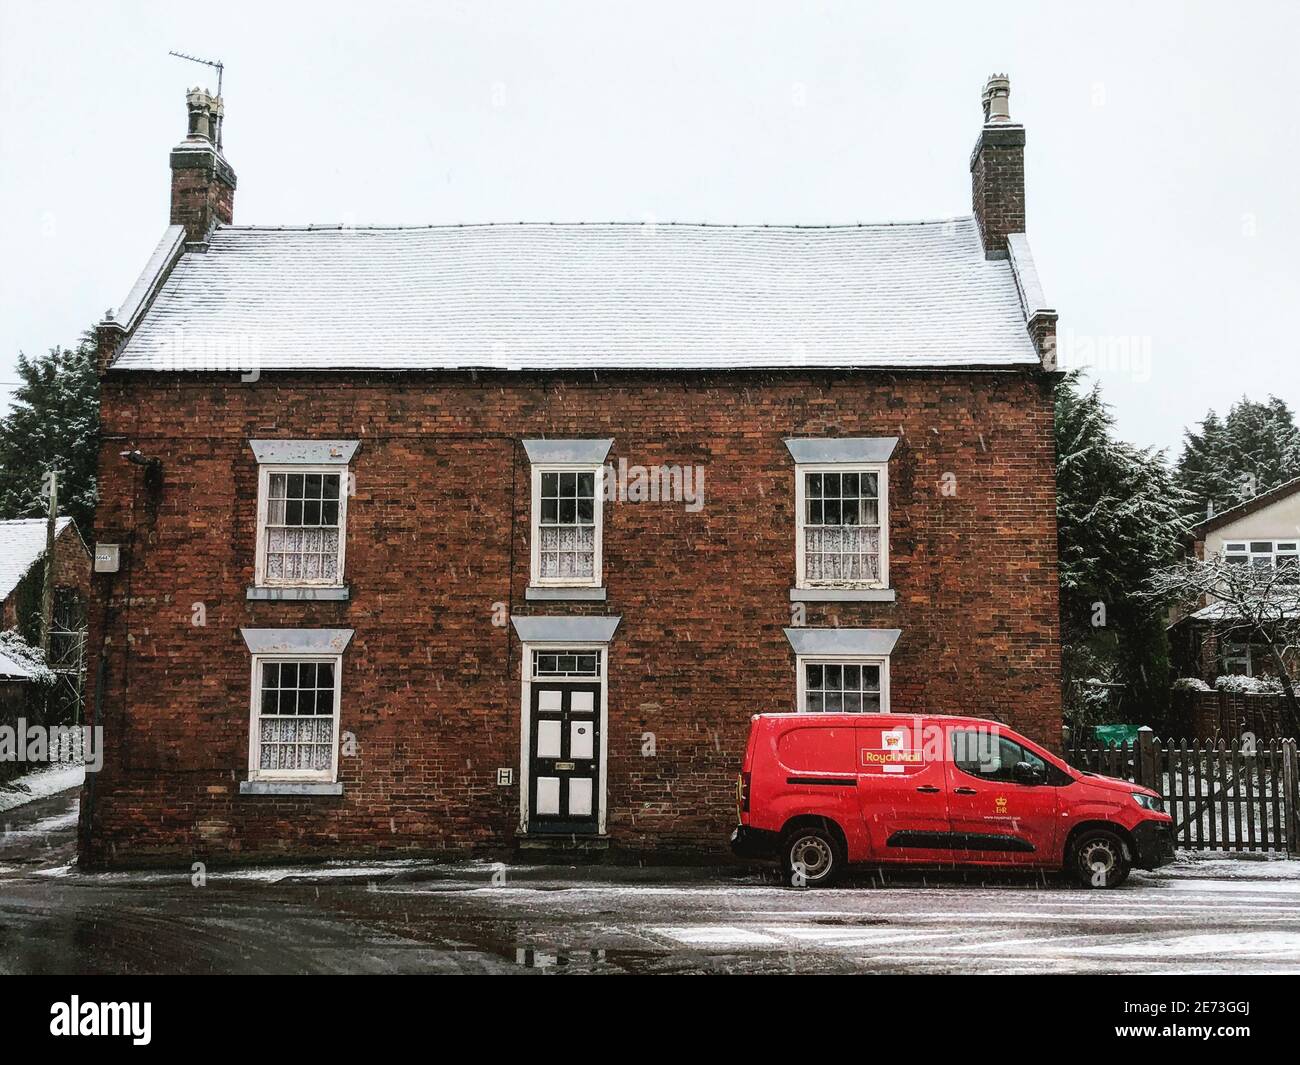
point(50, 780)
point(1223, 915)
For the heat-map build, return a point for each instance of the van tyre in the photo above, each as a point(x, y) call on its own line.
point(811, 856)
point(1099, 858)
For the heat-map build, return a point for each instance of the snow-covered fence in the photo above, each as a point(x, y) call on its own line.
point(1222, 796)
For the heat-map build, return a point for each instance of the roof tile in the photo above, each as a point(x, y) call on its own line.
point(607, 296)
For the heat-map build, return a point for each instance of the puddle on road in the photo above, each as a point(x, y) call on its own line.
point(589, 961)
point(851, 919)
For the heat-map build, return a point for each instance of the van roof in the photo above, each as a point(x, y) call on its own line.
point(849, 719)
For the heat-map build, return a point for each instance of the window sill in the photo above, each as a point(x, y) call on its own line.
point(308, 592)
point(843, 595)
point(288, 787)
point(578, 595)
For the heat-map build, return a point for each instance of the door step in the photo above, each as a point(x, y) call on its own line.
point(567, 844)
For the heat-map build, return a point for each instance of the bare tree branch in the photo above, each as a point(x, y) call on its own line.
point(1259, 602)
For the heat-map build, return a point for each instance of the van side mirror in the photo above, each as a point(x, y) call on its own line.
point(1028, 773)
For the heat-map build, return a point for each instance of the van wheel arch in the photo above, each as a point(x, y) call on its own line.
point(1088, 826)
point(815, 821)
point(1082, 828)
point(831, 854)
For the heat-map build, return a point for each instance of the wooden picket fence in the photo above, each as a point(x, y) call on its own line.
point(1222, 796)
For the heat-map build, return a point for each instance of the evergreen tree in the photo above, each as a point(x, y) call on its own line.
point(1198, 471)
point(1255, 448)
point(1120, 517)
point(53, 422)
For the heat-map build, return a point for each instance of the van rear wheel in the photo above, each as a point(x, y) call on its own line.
point(1099, 858)
point(811, 857)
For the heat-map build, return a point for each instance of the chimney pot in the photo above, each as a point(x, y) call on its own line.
point(199, 104)
point(218, 112)
point(203, 183)
point(997, 98)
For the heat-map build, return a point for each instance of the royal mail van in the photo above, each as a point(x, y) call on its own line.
point(821, 791)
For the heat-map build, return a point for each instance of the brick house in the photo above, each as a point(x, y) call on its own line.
point(22, 578)
point(449, 538)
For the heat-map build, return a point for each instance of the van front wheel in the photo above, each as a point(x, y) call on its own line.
point(811, 857)
point(1099, 858)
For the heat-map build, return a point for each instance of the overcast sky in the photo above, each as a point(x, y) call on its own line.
point(1163, 146)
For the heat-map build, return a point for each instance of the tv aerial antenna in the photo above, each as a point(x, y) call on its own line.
point(215, 64)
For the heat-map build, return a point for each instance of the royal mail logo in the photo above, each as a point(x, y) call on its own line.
point(1000, 803)
point(872, 757)
point(895, 753)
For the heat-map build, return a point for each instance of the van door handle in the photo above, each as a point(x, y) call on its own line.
point(964, 791)
point(928, 789)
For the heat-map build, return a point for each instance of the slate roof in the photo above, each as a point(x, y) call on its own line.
point(569, 296)
point(22, 543)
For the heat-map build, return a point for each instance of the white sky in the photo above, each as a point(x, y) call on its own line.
point(1163, 145)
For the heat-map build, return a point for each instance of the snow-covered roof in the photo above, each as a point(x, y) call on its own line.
point(570, 296)
point(22, 667)
point(1215, 611)
point(1032, 300)
point(22, 542)
point(19, 660)
point(12, 669)
point(1284, 604)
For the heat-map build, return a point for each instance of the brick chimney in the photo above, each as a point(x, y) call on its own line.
point(203, 184)
point(997, 170)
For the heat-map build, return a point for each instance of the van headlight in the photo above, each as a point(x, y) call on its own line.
point(1149, 802)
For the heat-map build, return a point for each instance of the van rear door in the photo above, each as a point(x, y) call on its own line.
point(902, 793)
point(815, 761)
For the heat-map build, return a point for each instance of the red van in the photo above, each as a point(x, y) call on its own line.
point(821, 791)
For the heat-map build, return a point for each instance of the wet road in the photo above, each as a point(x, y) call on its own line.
point(1223, 916)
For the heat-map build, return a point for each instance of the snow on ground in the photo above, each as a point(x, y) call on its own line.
point(274, 874)
point(1235, 944)
point(328, 871)
point(418, 915)
point(1210, 913)
point(40, 784)
point(1211, 865)
point(1275, 887)
point(64, 822)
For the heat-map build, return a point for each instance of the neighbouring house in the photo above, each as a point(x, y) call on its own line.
point(22, 546)
point(22, 576)
point(445, 538)
point(30, 688)
point(1263, 531)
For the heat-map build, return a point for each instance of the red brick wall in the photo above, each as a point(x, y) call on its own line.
point(998, 185)
point(438, 533)
point(72, 563)
point(200, 199)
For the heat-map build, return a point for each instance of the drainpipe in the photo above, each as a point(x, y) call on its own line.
point(101, 678)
